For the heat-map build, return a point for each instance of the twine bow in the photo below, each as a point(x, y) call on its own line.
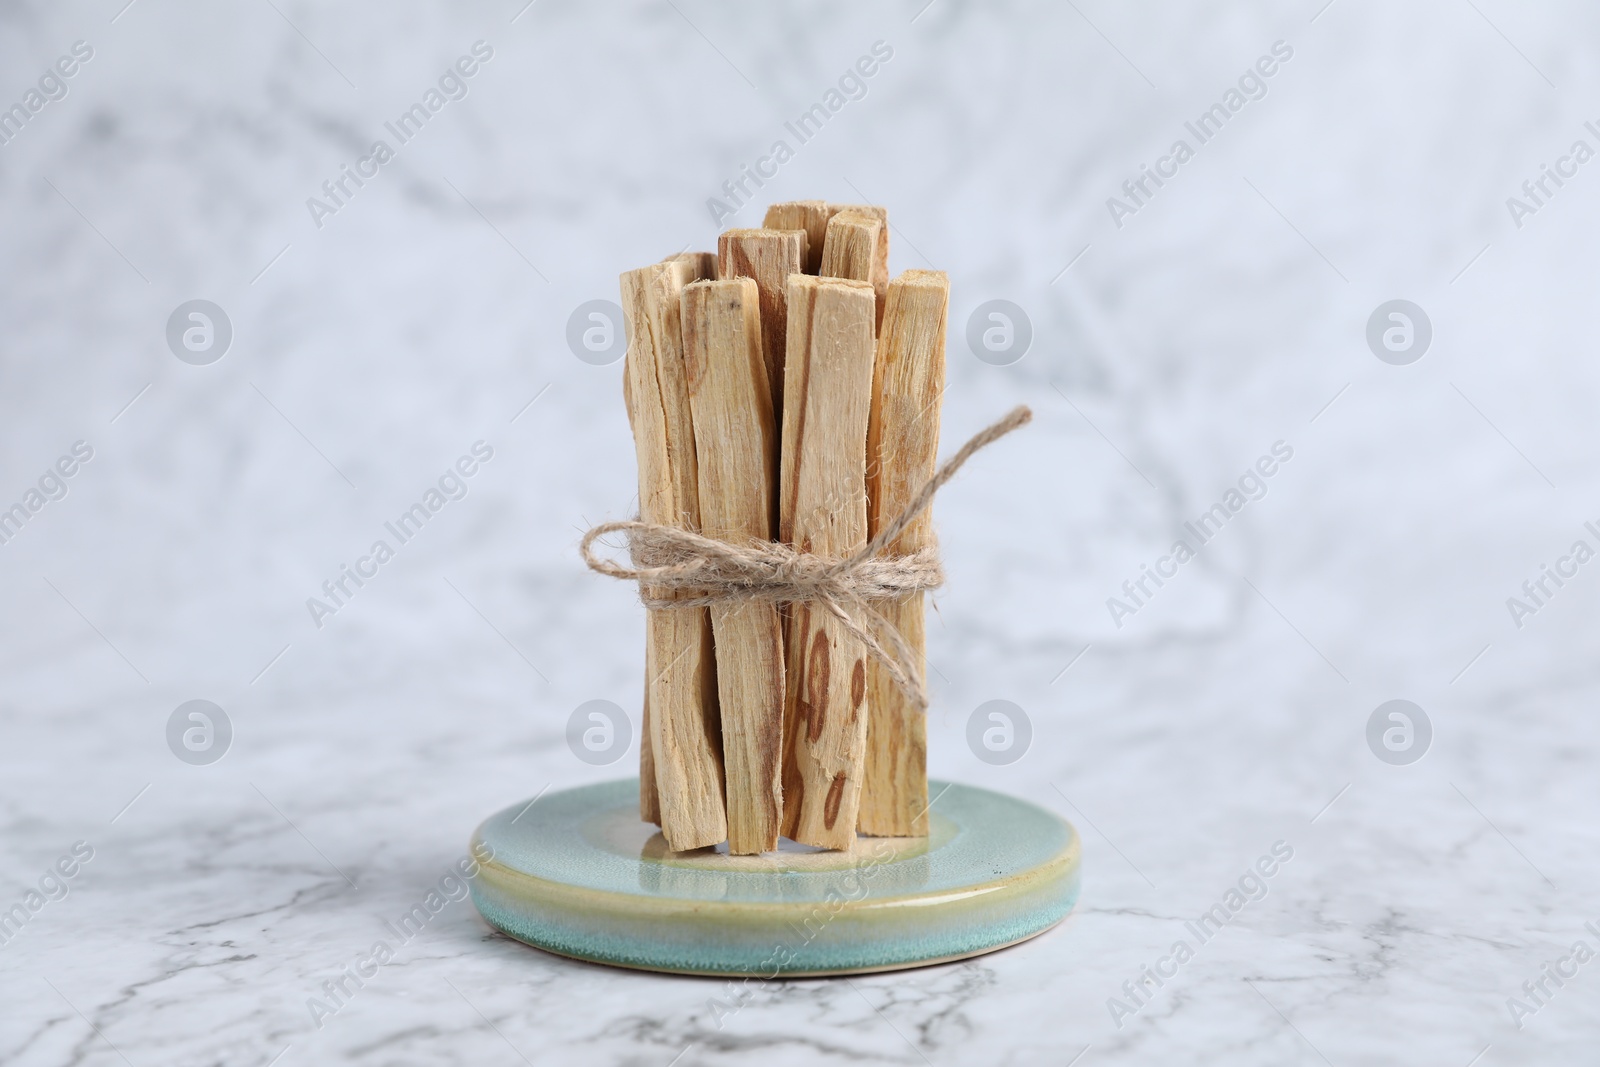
point(668, 562)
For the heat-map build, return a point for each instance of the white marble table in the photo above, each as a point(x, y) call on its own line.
point(1226, 714)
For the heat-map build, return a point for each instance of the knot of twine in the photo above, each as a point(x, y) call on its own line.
point(678, 568)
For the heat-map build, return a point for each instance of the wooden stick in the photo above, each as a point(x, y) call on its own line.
point(808, 215)
point(649, 799)
point(701, 264)
point(880, 263)
point(768, 256)
point(649, 794)
point(857, 246)
point(823, 509)
point(812, 216)
point(902, 447)
point(738, 459)
point(681, 687)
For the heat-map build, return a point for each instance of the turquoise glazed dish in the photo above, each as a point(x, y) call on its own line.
point(577, 873)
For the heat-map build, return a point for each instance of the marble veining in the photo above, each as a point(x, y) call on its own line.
point(429, 313)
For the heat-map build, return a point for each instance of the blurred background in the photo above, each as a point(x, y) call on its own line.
point(354, 343)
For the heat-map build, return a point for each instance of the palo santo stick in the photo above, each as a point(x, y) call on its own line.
point(701, 264)
point(649, 801)
point(902, 446)
point(681, 690)
point(737, 460)
point(808, 215)
point(823, 509)
point(880, 262)
point(850, 248)
point(768, 256)
point(649, 796)
point(857, 246)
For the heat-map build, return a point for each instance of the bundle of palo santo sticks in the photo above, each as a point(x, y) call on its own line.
point(783, 389)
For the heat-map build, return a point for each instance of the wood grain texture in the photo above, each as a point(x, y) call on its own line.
point(649, 801)
point(700, 264)
point(902, 449)
point(810, 216)
point(649, 796)
point(880, 263)
point(856, 245)
point(681, 672)
point(738, 465)
point(823, 509)
point(769, 257)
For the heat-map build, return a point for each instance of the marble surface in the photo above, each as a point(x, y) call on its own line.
point(1226, 715)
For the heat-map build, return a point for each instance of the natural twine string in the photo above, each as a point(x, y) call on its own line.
point(669, 562)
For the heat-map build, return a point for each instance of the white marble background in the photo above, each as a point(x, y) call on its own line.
point(1226, 315)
